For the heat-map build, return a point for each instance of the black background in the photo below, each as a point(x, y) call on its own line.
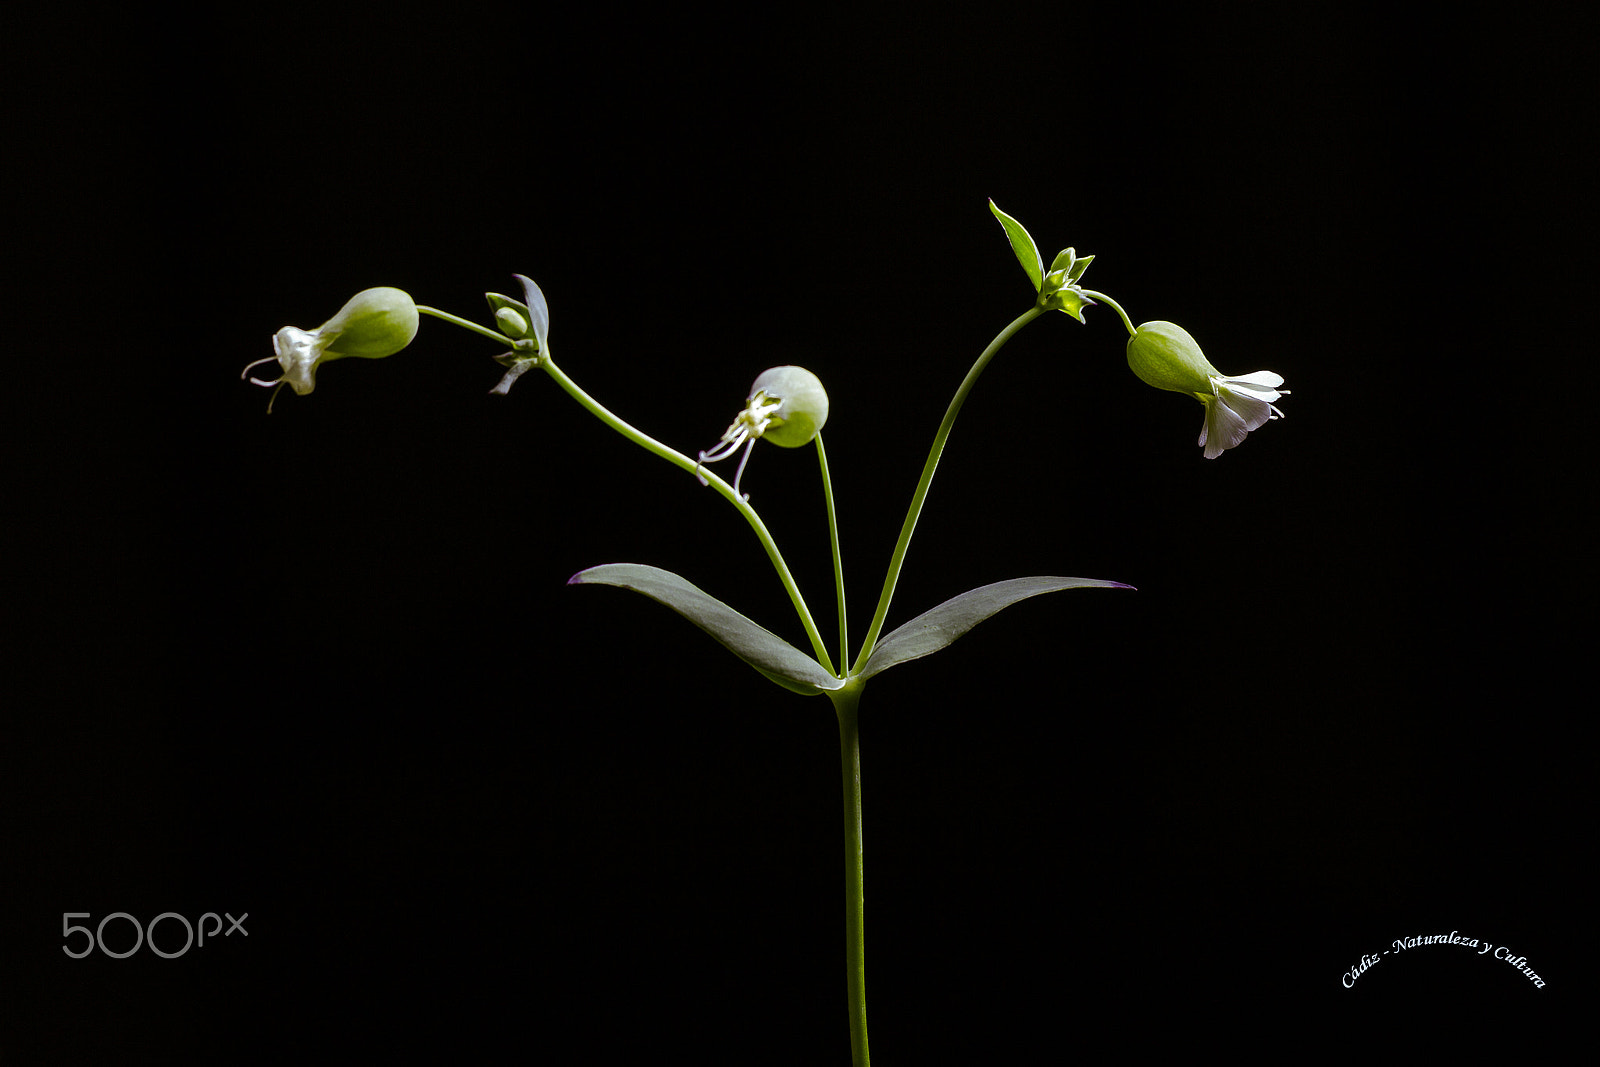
point(322, 667)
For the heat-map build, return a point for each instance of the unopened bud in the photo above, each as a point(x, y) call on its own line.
point(512, 323)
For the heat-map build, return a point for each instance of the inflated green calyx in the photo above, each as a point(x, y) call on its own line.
point(1163, 354)
point(802, 405)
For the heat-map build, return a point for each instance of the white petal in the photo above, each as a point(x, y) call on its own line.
point(1253, 410)
point(298, 352)
point(1250, 391)
point(1223, 429)
point(1236, 387)
point(1262, 378)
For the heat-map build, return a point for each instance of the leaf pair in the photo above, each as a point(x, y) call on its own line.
point(794, 670)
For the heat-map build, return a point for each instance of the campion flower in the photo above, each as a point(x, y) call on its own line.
point(373, 324)
point(1165, 356)
point(787, 406)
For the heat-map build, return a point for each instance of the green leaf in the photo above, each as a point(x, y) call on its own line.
point(1022, 244)
point(538, 311)
point(933, 630)
point(761, 648)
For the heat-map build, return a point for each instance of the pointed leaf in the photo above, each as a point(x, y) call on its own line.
point(538, 310)
point(1022, 244)
point(517, 367)
point(761, 648)
point(933, 630)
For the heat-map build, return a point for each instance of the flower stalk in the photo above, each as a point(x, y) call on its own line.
point(897, 558)
point(465, 324)
point(838, 561)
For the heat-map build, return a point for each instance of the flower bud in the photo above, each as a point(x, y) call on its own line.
point(1164, 355)
point(802, 408)
point(1070, 266)
point(527, 324)
point(512, 323)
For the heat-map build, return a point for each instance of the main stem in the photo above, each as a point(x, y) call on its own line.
point(846, 705)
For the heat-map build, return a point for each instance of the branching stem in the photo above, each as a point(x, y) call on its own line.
point(740, 504)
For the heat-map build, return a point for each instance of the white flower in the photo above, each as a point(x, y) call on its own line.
point(1165, 356)
point(1236, 406)
point(372, 324)
point(297, 352)
point(787, 406)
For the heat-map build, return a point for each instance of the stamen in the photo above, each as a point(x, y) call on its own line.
point(257, 363)
point(730, 443)
point(749, 448)
point(759, 413)
point(728, 447)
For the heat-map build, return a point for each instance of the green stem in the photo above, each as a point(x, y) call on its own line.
point(846, 705)
point(678, 459)
point(464, 324)
point(838, 562)
point(898, 558)
point(1104, 299)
